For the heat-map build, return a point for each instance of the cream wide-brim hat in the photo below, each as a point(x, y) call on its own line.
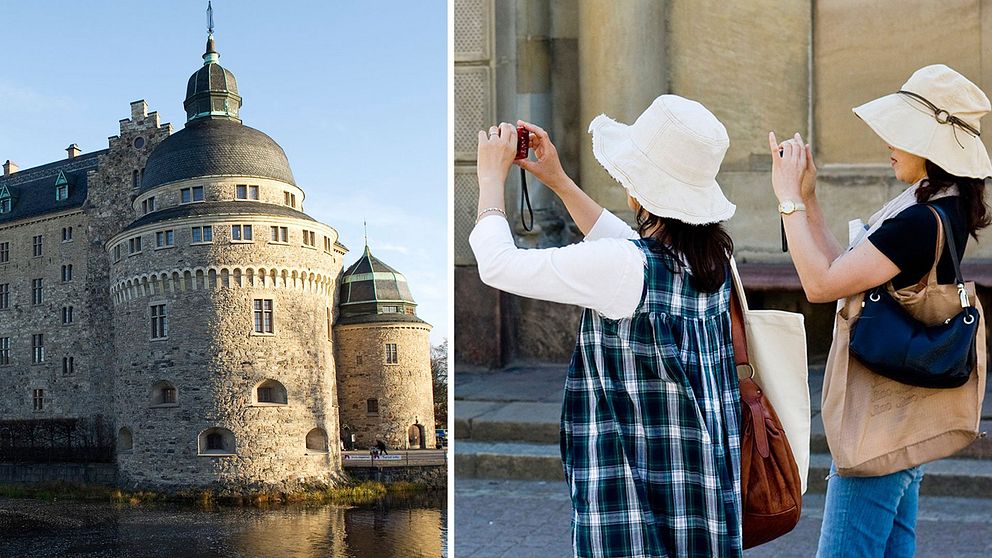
point(668, 159)
point(908, 124)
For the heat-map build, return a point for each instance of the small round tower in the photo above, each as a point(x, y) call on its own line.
point(385, 385)
point(223, 294)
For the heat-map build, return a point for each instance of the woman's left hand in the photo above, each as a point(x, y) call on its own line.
point(496, 152)
point(787, 168)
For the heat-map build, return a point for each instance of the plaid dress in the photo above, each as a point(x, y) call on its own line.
point(650, 436)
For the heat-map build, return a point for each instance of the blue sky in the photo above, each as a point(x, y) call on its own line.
point(354, 92)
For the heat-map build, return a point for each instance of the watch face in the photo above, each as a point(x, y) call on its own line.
point(788, 206)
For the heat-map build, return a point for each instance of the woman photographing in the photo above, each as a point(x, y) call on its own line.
point(931, 127)
point(650, 437)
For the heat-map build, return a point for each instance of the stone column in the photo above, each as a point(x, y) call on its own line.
point(623, 64)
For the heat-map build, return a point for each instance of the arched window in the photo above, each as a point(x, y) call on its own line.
point(317, 440)
point(216, 441)
point(164, 394)
point(270, 392)
point(125, 441)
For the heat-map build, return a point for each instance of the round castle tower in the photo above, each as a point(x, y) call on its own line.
point(223, 293)
point(385, 385)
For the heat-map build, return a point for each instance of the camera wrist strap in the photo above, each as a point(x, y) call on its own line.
point(525, 197)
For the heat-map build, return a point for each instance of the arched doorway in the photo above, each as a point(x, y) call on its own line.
point(415, 437)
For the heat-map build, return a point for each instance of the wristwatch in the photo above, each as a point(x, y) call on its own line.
point(788, 207)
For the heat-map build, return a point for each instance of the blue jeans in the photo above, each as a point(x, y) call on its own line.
point(870, 517)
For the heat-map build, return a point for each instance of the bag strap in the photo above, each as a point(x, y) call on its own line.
point(952, 248)
point(750, 391)
point(931, 278)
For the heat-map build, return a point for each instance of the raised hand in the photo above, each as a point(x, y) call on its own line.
point(496, 151)
point(546, 166)
point(789, 163)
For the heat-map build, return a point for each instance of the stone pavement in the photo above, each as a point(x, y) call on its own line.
point(510, 499)
point(525, 519)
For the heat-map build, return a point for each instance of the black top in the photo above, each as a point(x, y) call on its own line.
point(909, 240)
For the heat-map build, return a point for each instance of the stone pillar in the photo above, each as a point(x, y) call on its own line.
point(624, 67)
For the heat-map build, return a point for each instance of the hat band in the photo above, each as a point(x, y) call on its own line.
point(942, 116)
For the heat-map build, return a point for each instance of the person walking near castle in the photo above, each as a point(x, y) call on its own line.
point(650, 436)
point(931, 127)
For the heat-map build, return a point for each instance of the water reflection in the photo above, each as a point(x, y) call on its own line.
point(394, 527)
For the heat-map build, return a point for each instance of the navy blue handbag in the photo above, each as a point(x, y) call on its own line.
point(890, 342)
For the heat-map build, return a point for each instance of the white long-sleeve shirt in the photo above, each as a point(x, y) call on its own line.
point(605, 272)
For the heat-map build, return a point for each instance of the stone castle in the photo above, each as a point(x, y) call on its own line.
point(166, 304)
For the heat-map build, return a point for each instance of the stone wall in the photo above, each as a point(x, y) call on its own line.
point(434, 477)
point(759, 66)
point(404, 390)
point(215, 360)
point(87, 473)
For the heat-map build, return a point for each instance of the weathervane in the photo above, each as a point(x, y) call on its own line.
point(365, 224)
point(210, 18)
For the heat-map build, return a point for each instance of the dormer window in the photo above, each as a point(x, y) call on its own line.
point(5, 201)
point(61, 187)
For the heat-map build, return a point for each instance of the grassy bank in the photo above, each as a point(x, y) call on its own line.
point(351, 494)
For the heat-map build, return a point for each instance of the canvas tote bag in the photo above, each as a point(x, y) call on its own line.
point(777, 347)
point(876, 426)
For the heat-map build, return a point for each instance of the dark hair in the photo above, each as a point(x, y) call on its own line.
point(705, 249)
point(971, 192)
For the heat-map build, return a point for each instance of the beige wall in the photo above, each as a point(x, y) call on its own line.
point(862, 52)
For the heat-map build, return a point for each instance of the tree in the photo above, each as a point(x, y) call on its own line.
point(439, 370)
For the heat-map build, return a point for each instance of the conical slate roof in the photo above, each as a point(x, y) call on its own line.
point(373, 291)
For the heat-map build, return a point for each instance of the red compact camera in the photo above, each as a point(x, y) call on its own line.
point(523, 143)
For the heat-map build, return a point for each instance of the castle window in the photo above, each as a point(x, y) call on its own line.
point(5, 202)
point(309, 238)
point(280, 234)
point(66, 234)
point(134, 245)
point(165, 239)
point(163, 394)
point(38, 399)
point(4, 296)
point(246, 192)
point(372, 407)
point(390, 309)
point(203, 234)
point(358, 359)
point(148, 205)
point(37, 291)
point(392, 356)
point(117, 253)
point(38, 348)
point(67, 315)
point(317, 440)
point(263, 315)
point(241, 233)
point(68, 365)
point(271, 392)
point(4, 252)
point(290, 199)
point(134, 179)
point(66, 273)
point(61, 187)
point(216, 442)
point(328, 324)
point(4, 351)
point(189, 195)
point(159, 321)
point(125, 441)
point(36, 246)
point(327, 245)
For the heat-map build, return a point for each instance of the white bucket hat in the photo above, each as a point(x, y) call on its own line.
point(935, 116)
point(668, 159)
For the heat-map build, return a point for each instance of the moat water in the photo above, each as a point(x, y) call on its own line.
point(401, 527)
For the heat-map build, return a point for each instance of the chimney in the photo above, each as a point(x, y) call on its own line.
point(73, 151)
point(9, 168)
